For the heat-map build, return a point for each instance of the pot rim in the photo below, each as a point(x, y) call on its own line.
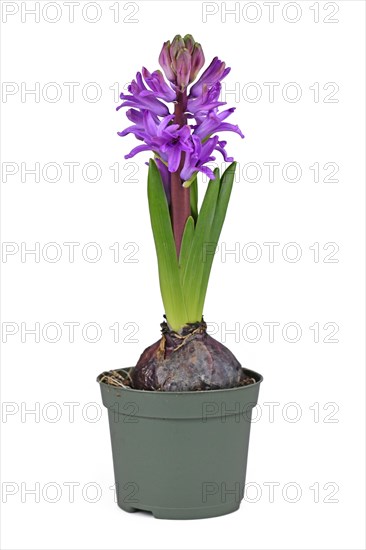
point(258, 380)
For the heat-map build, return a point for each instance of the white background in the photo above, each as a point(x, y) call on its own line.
point(315, 436)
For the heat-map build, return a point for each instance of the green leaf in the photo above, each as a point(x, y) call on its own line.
point(194, 199)
point(185, 247)
point(169, 277)
point(193, 276)
point(226, 185)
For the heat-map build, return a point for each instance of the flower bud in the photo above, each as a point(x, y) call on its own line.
point(181, 60)
point(197, 61)
point(189, 42)
point(166, 62)
point(175, 48)
point(183, 68)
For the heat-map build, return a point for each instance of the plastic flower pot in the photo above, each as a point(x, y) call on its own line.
point(180, 455)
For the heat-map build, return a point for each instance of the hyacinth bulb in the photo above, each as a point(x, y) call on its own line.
point(189, 361)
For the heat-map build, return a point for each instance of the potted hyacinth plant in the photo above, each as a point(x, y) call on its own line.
point(180, 418)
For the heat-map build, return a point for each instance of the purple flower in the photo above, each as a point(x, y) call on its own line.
point(190, 135)
point(205, 102)
point(195, 160)
point(156, 82)
point(221, 147)
point(138, 128)
point(168, 141)
point(214, 73)
point(213, 123)
point(172, 144)
point(142, 98)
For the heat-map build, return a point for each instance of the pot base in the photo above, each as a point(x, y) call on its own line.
point(185, 513)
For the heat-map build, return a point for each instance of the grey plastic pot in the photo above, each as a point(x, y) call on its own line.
point(180, 455)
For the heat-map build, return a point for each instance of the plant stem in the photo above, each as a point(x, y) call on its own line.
point(180, 208)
